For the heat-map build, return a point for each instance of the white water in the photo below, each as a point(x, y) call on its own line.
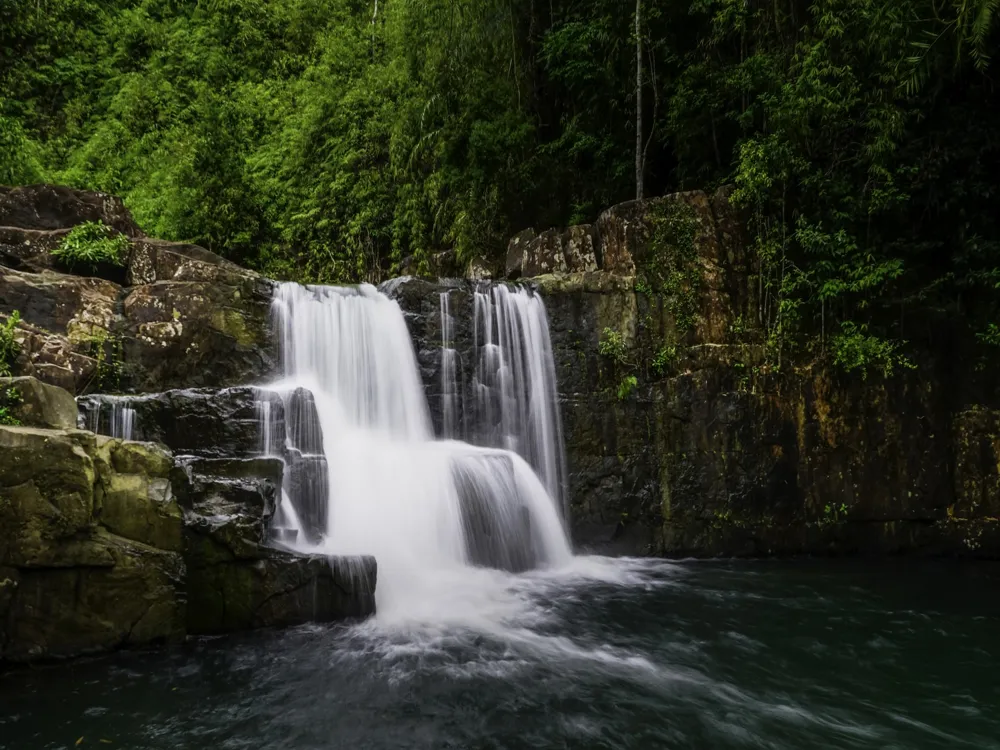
point(450, 394)
point(515, 383)
point(429, 510)
point(120, 420)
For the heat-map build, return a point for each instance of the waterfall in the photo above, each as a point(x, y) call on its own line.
point(387, 486)
point(118, 418)
point(122, 420)
point(449, 372)
point(513, 403)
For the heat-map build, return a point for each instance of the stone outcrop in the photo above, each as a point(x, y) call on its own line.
point(106, 543)
point(571, 251)
point(710, 452)
point(71, 584)
point(32, 403)
point(54, 207)
point(175, 315)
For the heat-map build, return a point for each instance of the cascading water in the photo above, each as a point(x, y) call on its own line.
point(427, 509)
point(514, 383)
point(118, 419)
point(449, 372)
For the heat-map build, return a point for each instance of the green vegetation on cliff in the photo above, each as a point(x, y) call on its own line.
point(332, 139)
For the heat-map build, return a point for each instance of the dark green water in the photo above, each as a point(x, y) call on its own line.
point(712, 656)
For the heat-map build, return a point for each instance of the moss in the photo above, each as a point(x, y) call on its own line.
point(232, 323)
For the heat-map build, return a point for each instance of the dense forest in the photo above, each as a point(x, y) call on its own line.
point(329, 140)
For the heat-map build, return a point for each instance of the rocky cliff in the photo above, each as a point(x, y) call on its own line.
point(174, 315)
point(682, 439)
point(109, 542)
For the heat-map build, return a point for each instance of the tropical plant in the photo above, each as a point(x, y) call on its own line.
point(91, 244)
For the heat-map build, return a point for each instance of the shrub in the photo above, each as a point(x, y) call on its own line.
point(9, 398)
point(8, 346)
point(90, 244)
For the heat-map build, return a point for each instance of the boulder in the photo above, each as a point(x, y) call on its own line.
point(280, 590)
point(48, 207)
point(54, 359)
point(570, 251)
point(67, 325)
point(69, 584)
point(33, 403)
point(196, 333)
point(106, 543)
point(47, 480)
point(514, 266)
point(81, 309)
point(159, 260)
point(29, 249)
point(135, 498)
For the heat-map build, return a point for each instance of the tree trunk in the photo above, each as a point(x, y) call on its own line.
point(638, 100)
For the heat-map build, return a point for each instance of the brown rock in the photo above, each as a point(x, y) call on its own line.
point(48, 207)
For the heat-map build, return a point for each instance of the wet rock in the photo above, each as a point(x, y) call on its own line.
point(207, 422)
point(280, 590)
point(308, 484)
point(496, 535)
point(235, 579)
point(302, 422)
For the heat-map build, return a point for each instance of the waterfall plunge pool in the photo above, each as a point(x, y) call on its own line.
point(607, 654)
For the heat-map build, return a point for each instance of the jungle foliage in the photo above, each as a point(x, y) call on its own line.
point(330, 140)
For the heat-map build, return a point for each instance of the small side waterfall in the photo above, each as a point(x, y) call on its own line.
point(450, 394)
point(512, 403)
point(110, 415)
point(388, 488)
point(516, 404)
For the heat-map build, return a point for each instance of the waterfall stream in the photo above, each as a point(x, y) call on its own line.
point(366, 474)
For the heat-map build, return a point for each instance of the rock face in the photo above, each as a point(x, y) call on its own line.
point(184, 317)
point(32, 403)
point(53, 207)
point(72, 584)
point(706, 452)
point(107, 543)
point(572, 251)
